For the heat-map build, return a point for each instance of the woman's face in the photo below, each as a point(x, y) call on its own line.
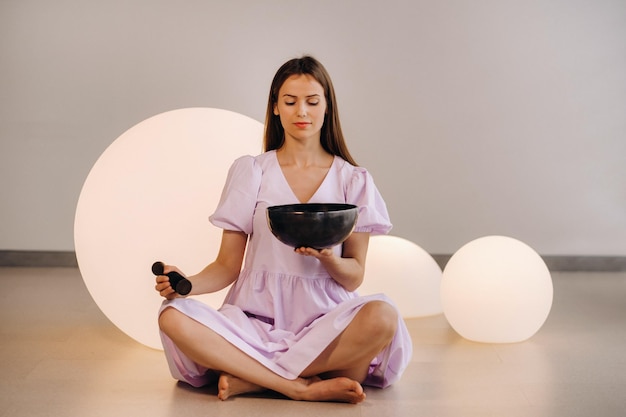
point(301, 106)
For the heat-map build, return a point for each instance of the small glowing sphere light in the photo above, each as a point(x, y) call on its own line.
point(496, 289)
point(147, 199)
point(406, 273)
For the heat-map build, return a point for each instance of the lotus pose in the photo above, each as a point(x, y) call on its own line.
point(292, 322)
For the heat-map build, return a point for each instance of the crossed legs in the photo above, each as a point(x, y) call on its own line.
point(335, 375)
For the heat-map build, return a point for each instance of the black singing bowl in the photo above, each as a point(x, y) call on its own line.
point(313, 225)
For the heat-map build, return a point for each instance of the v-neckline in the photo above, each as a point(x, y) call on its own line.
point(282, 174)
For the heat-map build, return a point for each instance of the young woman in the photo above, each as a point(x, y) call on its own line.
point(292, 321)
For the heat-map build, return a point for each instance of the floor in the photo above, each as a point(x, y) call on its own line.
point(60, 356)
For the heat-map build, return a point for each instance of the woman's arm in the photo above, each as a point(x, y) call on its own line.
point(218, 274)
point(349, 269)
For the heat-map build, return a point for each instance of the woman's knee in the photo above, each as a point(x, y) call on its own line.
point(380, 318)
point(169, 320)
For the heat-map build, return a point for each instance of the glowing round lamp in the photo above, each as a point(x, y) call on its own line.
point(406, 273)
point(496, 289)
point(147, 199)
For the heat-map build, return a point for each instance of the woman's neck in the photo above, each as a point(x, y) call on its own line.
point(303, 155)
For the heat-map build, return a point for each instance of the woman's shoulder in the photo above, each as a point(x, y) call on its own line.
point(252, 161)
point(349, 171)
point(263, 160)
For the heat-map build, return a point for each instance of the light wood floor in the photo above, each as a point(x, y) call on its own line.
point(60, 356)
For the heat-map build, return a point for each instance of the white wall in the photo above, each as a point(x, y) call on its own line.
point(475, 117)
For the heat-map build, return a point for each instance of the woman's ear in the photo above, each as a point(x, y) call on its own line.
point(275, 110)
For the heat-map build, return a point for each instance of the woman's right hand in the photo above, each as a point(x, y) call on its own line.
point(163, 286)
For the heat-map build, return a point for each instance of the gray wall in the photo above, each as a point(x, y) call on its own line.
point(475, 117)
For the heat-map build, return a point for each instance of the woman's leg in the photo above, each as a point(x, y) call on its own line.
point(351, 353)
point(193, 338)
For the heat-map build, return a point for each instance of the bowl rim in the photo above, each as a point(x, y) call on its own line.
point(311, 208)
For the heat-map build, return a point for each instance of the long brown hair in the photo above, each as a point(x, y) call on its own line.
point(331, 136)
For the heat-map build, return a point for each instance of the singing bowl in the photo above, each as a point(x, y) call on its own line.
point(313, 225)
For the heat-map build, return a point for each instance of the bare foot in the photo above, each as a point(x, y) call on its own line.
point(336, 389)
point(229, 385)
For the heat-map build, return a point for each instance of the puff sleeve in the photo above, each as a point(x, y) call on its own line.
point(235, 209)
point(362, 192)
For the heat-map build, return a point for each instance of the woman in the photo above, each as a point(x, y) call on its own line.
point(291, 321)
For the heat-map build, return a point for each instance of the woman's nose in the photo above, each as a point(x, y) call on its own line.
point(301, 110)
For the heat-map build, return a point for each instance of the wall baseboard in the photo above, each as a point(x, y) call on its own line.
point(15, 258)
point(568, 263)
point(586, 263)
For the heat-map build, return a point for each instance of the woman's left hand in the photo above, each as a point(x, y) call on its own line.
point(348, 269)
point(319, 254)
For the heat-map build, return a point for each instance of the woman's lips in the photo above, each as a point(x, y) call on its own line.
point(301, 125)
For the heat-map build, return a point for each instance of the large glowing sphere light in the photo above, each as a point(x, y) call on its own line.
point(147, 199)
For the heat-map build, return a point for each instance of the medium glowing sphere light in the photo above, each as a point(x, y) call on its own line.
point(496, 289)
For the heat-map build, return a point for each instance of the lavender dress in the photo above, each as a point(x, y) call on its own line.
point(284, 309)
